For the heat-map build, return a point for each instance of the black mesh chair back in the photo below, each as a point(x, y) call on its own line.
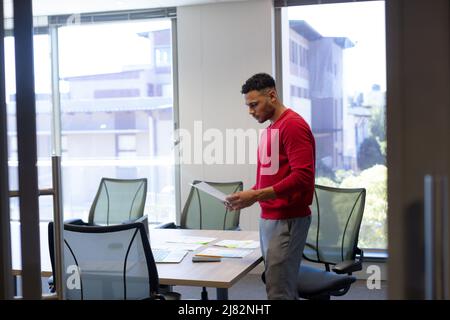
point(332, 240)
point(336, 219)
point(202, 211)
point(108, 262)
point(118, 200)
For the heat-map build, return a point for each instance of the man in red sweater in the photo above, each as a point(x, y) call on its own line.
point(284, 185)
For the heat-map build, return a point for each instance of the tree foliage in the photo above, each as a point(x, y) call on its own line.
point(369, 154)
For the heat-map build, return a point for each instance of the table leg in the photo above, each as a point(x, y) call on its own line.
point(15, 285)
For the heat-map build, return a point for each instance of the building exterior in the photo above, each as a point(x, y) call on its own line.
point(316, 88)
point(360, 111)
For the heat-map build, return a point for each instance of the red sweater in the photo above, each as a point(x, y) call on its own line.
point(293, 182)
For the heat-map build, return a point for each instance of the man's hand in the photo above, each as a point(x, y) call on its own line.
point(242, 199)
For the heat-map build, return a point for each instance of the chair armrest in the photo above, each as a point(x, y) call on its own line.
point(156, 296)
point(137, 220)
point(348, 266)
point(75, 221)
point(167, 225)
point(51, 284)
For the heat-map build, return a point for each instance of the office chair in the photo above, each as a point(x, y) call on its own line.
point(202, 211)
point(332, 241)
point(199, 205)
point(118, 200)
point(109, 262)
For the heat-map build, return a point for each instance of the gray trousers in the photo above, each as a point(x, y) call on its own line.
point(282, 243)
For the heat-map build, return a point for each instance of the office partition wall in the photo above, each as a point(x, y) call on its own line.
point(418, 150)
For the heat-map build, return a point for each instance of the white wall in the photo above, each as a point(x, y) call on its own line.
point(219, 47)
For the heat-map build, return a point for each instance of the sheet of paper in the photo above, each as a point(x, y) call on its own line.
point(191, 239)
point(224, 253)
point(239, 244)
point(178, 246)
point(205, 187)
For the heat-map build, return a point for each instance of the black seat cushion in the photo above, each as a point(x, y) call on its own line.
point(313, 281)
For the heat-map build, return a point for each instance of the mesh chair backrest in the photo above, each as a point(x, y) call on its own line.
point(118, 200)
point(203, 211)
point(114, 262)
point(336, 219)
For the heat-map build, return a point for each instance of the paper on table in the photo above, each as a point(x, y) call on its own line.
point(224, 253)
point(191, 239)
point(177, 246)
point(205, 187)
point(241, 244)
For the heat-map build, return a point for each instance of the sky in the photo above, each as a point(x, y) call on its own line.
point(364, 24)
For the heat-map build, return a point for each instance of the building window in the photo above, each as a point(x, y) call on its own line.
point(299, 92)
point(116, 93)
point(126, 145)
point(294, 51)
point(150, 90)
point(124, 120)
point(162, 57)
point(159, 90)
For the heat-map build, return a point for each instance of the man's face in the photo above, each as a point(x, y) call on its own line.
point(260, 104)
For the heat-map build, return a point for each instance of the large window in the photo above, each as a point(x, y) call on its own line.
point(334, 75)
point(113, 124)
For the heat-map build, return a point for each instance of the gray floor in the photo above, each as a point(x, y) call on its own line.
point(252, 288)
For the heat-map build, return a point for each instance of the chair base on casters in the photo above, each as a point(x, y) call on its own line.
point(317, 284)
point(168, 293)
point(172, 295)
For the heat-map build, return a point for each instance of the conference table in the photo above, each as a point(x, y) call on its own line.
point(220, 275)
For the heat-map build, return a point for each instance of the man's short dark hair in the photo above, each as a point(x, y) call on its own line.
point(259, 81)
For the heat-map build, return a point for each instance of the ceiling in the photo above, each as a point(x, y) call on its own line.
point(56, 7)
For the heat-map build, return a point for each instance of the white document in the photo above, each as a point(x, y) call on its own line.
point(223, 252)
point(239, 244)
point(178, 246)
point(191, 240)
point(205, 187)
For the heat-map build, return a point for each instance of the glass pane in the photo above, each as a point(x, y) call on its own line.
point(43, 93)
point(117, 112)
point(335, 77)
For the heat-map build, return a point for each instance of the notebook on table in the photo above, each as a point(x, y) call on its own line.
point(168, 256)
